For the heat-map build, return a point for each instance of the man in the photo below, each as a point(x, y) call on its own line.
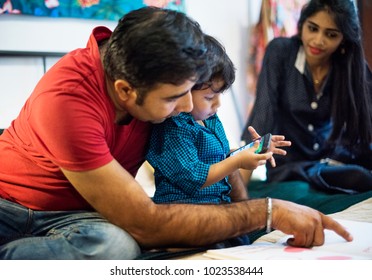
point(69, 159)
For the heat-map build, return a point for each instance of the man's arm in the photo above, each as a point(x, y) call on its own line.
point(238, 187)
point(115, 194)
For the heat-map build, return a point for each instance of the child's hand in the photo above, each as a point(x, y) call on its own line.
point(250, 160)
point(276, 142)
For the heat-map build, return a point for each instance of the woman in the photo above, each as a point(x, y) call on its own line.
point(315, 88)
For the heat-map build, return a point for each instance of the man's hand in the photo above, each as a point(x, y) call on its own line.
point(305, 224)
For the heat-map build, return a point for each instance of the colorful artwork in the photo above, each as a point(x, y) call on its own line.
point(90, 9)
point(277, 18)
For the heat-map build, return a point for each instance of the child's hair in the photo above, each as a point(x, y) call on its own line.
point(221, 66)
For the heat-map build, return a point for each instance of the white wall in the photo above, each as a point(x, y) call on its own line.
point(227, 20)
point(19, 75)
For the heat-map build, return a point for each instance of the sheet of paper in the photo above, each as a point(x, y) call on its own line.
point(334, 248)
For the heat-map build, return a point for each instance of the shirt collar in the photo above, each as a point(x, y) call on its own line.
point(301, 60)
point(302, 67)
point(189, 118)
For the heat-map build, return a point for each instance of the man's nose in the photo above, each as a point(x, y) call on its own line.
point(185, 103)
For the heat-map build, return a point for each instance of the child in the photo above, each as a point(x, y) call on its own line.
point(189, 152)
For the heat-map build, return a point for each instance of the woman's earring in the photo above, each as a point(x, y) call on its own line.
point(342, 48)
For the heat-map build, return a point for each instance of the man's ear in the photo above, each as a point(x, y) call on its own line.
point(124, 90)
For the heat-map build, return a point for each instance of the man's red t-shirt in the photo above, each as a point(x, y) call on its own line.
point(68, 122)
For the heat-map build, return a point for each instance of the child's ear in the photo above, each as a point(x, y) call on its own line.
point(124, 90)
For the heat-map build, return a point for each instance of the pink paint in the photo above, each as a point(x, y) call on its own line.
point(290, 249)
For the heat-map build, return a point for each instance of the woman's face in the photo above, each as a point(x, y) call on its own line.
point(320, 36)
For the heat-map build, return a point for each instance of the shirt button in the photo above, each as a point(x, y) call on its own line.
point(316, 146)
point(314, 105)
point(310, 127)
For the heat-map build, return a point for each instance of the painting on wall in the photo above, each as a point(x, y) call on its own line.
point(90, 9)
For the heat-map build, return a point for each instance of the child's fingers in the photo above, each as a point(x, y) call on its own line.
point(261, 159)
point(266, 156)
point(277, 138)
point(278, 151)
point(269, 157)
point(272, 162)
point(255, 146)
point(283, 143)
point(253, 132)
